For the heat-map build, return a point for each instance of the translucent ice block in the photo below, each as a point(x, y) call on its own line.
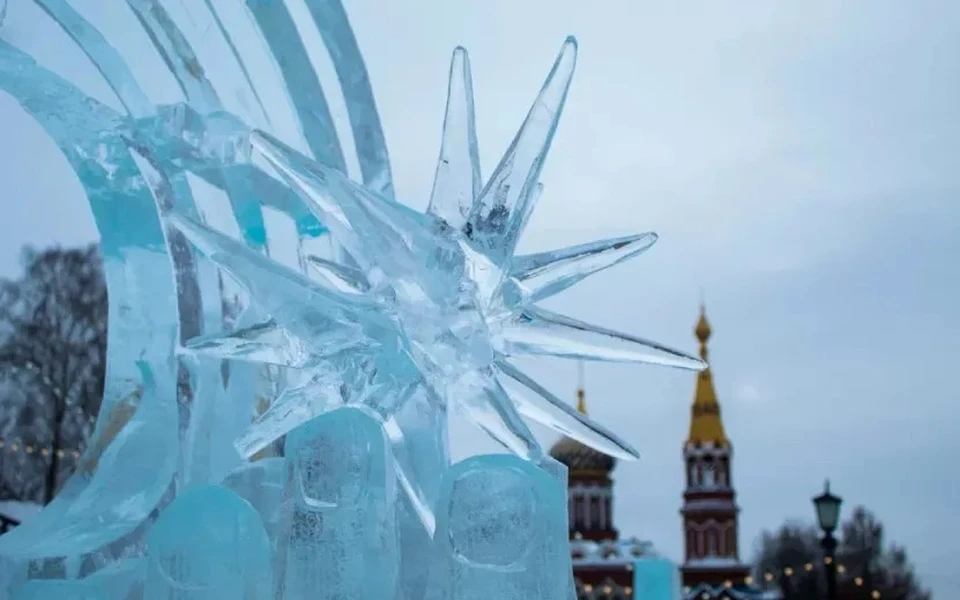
point(120, 581)
point(340, 529)
point(209, 544)
point(501, 532)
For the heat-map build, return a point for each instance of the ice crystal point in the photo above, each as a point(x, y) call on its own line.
point(209, 543)
point(263, 342)
point(328, 194)
point(340, 528)
point(332, 195)
point(297, 404)
point(483, 399)
point(505, 204)
point(537, 403)
point(501, 532)
point(456, 183)
point(341, 277)
point(541, 332)
point(548, 273)
point(280, 291)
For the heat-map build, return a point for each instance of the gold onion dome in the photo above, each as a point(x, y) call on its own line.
point(702, 330)
point(706, 425)
point(578, 457)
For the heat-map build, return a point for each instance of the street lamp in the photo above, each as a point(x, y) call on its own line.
point(828, 515)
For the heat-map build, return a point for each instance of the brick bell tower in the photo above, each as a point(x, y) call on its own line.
point(709, 502)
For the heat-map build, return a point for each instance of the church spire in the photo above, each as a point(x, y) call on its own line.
point(581, 394)
point(705, 423)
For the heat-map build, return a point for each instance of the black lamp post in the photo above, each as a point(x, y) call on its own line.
point(828, 514)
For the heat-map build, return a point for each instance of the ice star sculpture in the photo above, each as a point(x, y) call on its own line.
point(436, 301)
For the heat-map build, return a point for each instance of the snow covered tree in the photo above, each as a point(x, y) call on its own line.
point(793, 556)
point(53, 332)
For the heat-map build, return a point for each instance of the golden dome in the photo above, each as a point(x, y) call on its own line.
point(702, 330)
point(706, 426)
point(580, 458)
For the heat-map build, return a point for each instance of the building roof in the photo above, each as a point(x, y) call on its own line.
point(578, 457)
point(706, 426)
point(735, 592)
point(608, 590)
point(17, 511)
point(609, 553)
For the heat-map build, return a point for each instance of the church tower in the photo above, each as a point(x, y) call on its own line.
point(602, 562)
point(590, 487)
point(709, 510)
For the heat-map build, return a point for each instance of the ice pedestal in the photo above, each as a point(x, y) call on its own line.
point(340, 536)
point(207, 545)
point(261, 484)
point(501, 532)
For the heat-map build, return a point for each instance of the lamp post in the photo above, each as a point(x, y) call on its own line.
point(828, 515)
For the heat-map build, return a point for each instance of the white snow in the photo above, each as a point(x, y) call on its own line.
point(18, 511)
point(713, 562)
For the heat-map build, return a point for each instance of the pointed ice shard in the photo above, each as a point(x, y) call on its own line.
point(548, 273)
point(366, 225)
point(537, 403)
point(503, 207)
point(457, 182)
point(296, 405)
point(540, 332)
point(278, 289)
point(264, 342)
point(269, 344)
point(340, 277)
point(483, 399)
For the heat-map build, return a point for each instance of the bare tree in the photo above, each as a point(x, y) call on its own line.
point(792, 555)
point(53, 332)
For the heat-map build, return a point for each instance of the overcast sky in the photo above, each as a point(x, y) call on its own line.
point(797, 160)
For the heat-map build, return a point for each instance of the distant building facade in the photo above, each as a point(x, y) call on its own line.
point(603, 564)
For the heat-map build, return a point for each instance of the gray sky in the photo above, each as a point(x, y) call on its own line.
point(795, 159)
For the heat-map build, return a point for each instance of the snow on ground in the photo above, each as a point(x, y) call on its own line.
point(18, 511)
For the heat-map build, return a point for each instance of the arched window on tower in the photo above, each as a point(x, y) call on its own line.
point(711, 539)
point(730, 540)
point(709, 473)
point(692, 475)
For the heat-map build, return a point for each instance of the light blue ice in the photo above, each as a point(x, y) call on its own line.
point(299, 449)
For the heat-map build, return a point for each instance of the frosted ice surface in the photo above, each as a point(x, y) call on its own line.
point(120, 581)
point(340, 527)
point(261, 484)
point(208, 543)
point(501, 532)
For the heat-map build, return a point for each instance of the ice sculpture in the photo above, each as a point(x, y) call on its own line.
point(208, 543)
point(355, 359)
point(340, 532)
point(515, 547)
